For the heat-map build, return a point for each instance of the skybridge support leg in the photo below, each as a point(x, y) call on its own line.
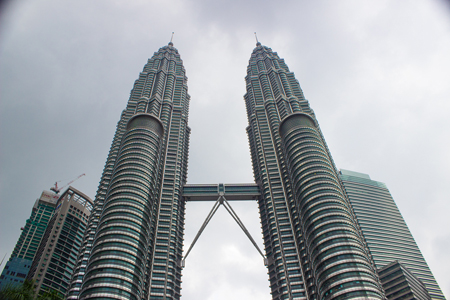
point(226, 204)
point(233, 214)
point(208, 218)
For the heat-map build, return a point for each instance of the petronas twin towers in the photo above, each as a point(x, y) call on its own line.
point(133, 248)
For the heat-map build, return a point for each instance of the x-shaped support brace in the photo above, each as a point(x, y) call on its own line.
point(222, 201)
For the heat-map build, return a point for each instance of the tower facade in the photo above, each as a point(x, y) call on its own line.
point(57, 254)
point(384, 229)
point(133, 247)
point(313, 244)
point(19, 264)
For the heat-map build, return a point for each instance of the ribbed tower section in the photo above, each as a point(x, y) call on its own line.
point(313, 244)
point(133, 246)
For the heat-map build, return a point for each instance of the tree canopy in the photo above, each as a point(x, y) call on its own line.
point(26, 291)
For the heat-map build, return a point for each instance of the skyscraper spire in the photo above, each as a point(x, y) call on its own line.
point(171, 39)
point(257, 42)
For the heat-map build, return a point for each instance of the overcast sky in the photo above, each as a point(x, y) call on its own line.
point(377, 74)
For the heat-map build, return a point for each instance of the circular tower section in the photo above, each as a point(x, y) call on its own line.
point(119, 256)
point(337, 256)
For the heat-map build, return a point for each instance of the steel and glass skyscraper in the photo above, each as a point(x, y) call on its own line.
point(384, 229)
point(57, 254)
point(313, 243)
point(19, 264)
point(133, 247)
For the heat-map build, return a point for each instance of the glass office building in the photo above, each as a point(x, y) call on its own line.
point(18, 266)
point(399, 283)
point(57, 254)
point(384, 228)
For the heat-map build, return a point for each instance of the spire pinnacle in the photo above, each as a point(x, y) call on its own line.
point(171, 39)
point(257, 42)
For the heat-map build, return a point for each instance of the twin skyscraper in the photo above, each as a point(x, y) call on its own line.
point(315, 243)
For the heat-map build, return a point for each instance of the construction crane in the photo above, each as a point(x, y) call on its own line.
point(57, 189)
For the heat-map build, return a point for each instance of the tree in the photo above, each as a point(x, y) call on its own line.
point(50, 295)
point(24, 291)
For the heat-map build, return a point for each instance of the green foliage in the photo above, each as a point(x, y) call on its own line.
point(50, 295)
point(26, 291)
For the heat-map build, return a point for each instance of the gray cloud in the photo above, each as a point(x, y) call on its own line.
point(376, 73)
